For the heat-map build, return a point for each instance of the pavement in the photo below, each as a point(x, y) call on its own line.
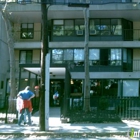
point(119, 131)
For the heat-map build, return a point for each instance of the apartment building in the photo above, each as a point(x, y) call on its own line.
point(114, 46)
point(4, 63)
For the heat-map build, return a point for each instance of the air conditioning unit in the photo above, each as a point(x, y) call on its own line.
point(92, 32)
point(79, 32)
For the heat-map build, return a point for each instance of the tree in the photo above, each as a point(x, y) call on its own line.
point(10, 42)
point(44, 11)
point(87, 82)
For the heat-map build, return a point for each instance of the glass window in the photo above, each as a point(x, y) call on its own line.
point(104, 56)
point(27, 31)
point(104, 87)
point(58, 27)
point(130, 88)
point(69, 27)
point(25, 57)
point(105, 27)
point(79, 24)
point(116, 56)
point(2, 84)
point(68, 54)
point(116, 27)
point(79, 57)
point(94, 56)
point(57, 56)
point(93, 30)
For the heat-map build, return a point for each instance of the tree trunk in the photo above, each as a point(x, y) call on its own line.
point(44, 52)
point(87, 82)
point(10, 41)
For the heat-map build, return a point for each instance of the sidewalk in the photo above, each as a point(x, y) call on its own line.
point(56, 126)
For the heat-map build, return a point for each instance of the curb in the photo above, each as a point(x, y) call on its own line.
point(52, 133)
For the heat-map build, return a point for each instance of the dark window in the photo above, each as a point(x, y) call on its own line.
point(25, 56)
point(2, 83)
point(27, 31)
point(104, 56)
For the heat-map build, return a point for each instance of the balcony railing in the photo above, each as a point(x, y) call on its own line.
point(57, 2)
point(97, 65)
point(63, 2)
point(96, 35)
point(103, 65)
point(73, 35)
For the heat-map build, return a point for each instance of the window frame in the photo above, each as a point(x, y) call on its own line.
point(25, 61)
point(27, 30)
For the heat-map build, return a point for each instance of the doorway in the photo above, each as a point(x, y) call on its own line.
point(56, 92)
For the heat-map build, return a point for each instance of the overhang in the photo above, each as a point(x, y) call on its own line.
point(54, 72)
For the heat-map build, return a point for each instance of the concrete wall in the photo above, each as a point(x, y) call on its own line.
point(4, 61)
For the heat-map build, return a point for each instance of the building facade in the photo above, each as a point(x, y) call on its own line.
point(4, 63)
point(114, 45)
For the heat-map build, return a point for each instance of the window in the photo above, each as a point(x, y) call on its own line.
point(116, 57)
point(116, 27)
point(94, 56)
point(103, 87)
point(79, 27)
point(27, 31)
point(24, 1)
point(69, 27)
point(26, 57)
point(2, 85)
point(68, 54)
point(58, 27)
point(105, 27)
point(57, 56)
point(79, 57)
point(130, 88)
point(104, 56)
point(94, 27)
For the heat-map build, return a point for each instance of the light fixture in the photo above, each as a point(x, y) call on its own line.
point(26, 79)
point(71, 82)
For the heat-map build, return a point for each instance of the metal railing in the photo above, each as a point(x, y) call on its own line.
point(8, 114)
point(123, 35)
point(133, 65)
point(62, 2)
point(105, 109)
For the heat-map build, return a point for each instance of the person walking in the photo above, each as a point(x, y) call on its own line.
point(25, 105)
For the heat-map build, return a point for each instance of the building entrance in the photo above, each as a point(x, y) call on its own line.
point(56, 92)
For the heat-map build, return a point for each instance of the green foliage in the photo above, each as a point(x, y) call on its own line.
point(103, 103)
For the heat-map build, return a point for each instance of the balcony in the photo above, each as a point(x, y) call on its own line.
point(70, 1)
point(101, 65)
point(74, 35)
point(83, 1)
point(106, 35)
